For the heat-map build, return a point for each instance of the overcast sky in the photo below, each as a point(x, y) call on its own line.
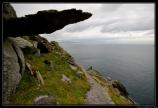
point(110, 23)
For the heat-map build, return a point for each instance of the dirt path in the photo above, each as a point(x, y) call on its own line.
point(97, 94)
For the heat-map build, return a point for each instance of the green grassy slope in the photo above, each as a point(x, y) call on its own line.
point(28, 89)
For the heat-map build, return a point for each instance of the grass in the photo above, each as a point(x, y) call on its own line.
point(28, 90)
point(117, 99)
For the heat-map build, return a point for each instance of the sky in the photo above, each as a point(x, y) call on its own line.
point(115, 23)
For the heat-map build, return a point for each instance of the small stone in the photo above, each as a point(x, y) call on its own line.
point(35, 44)
point(40, 78)
point(29, 68)
point(109, 78)
point(45, 100)
point(65, 79)
point(73, 67)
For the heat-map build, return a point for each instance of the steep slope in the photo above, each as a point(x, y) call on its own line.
point(40, 72)
point(46, 21)
point(64, 93)
point(54, 74)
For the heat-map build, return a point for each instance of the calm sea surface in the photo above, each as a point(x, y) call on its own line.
point(133, 65)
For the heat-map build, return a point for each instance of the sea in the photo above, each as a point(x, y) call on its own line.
point(131, 64)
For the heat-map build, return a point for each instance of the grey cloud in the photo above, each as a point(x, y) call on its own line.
point(127, 25)
point(85, 25)
point(111, 18)
point(110, 7)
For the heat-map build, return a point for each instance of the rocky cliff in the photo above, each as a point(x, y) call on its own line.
point(37, 72)
point(14, 62)
point(46, 21)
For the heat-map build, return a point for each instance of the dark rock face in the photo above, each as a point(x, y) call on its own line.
point(43, 22)
point(120, 87)
point(43, 44)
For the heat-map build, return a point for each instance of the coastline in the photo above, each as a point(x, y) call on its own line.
point(105, 83)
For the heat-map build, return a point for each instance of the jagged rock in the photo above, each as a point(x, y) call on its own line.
point(65, 79)
point(22, 43)
point(26, 46)
point(42, 22)
point(120, 87)
point(11, 70)
point(29, 68)
point(39, 78)
point(35, 44)
point(45, 100)
point(43, 44)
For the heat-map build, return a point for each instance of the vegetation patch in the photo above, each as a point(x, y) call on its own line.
point(28, 89)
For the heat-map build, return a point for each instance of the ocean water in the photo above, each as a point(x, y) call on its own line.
point(133, 65)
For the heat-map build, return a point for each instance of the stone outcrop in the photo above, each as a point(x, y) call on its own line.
point(11, 69)
point(46, 21)
point(30, 25)
point(43, 44)
point(120, 87)
point(22, 43)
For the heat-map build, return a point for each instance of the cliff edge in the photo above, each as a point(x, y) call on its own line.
point(38, 72)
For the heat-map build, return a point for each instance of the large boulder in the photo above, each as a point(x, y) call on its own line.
point(22, 43)
point(26, 46)
point(12, 72)
point(120, 87)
